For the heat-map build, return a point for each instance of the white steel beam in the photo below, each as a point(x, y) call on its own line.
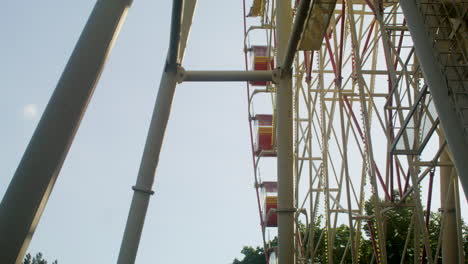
point(34, 179)
point(187, 17)
point(154, 140)
point(285, 163)
point(226, 76)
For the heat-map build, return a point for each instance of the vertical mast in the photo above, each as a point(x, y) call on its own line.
point(284, 138)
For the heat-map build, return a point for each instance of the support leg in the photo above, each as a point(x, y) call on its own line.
point(149, 162)
point(447, 204)
point(154, 141)
point(29, 190)
point(285, 140)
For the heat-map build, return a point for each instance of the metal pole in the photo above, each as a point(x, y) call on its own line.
point(447, 205)
point(285, 139)
point(176, 23)
point(33, 181)
point(154, 140)
point(296, 33)
point(186, 24)
point(439, 90)
point(149, 162)
point(227, 76)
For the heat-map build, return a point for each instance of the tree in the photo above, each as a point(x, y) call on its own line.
point(341, 240)
point(397, 222)
point(251, 256)
point(36, 260)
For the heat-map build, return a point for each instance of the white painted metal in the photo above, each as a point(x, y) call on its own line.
point(226, 76)
point(284, 139)
point(34, 179)
point(146, 173)
point(153, 145)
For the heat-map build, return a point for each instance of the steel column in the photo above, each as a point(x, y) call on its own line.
point(186, 24)
point(30, 188)
point(439, 90)
point(285, 139)
point(447, 206)
point(154, 140)
point(149, 162)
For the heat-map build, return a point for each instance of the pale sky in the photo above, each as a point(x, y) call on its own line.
point(204, 209)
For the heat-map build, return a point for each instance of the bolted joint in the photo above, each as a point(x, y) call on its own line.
point(276, 75)
point(145, 191)
point(171, 67)
point(282, 73)
point(180, 74)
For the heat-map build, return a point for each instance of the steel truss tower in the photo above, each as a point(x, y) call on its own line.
point(367, 125)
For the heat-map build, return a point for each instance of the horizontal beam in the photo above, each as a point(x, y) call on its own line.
point(226, 76)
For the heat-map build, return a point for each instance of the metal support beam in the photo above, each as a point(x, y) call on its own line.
point(285, 139)
point(30, 188)
point(226, 76)
point(146, 173)
point(187, 17)
point(296, 33)
point(447, 206)
point(154, 140)
point(439, 90)
point(176, 23)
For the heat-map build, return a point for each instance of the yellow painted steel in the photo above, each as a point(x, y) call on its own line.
point(318, 19)
point(257, 8)
point(273, 123)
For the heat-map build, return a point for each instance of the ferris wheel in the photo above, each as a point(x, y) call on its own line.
point(366, 136)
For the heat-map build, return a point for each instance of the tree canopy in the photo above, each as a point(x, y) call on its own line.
point(38, 259)
point(251, 256)
point(397, 224)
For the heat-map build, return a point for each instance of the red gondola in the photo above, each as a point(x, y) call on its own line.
point(260, 59)
point(270, 191)
point(264, 144)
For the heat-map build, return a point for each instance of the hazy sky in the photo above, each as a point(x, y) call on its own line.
point(204, 209)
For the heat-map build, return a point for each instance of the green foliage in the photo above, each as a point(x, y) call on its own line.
point(251, 256)
point(36, 260)
point(396, 225)
point(397, 222)
point(340, 244)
